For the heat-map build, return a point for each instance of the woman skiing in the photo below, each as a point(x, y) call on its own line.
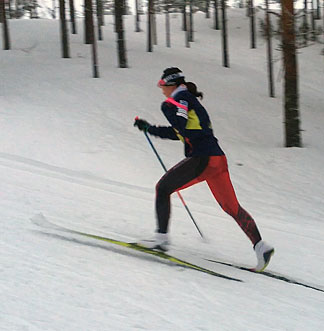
point(205, 161)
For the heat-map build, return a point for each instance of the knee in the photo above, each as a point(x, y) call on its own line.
point(230, 209)
point(161, 189)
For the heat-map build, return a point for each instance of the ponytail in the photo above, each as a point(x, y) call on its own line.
point(192, 88)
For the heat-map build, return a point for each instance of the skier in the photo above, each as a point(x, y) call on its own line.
point(205, 161)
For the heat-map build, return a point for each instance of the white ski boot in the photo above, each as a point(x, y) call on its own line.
point(160, 242)
point(263, 252)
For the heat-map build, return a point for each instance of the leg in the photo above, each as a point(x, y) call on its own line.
point(182, 175)
point(221, 186)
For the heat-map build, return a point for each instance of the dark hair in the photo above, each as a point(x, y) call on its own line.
point(192, 88)
point(172, 76)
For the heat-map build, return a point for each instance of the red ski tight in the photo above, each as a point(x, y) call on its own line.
point(193, 170)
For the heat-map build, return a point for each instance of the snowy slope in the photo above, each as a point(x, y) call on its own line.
point(69, 150)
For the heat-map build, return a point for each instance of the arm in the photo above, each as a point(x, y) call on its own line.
point(165, 132)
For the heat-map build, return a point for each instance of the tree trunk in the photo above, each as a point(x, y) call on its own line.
point(5, 28)
point(248, 8)
point(187, 32)
point(252, 24)
point(186, 24)
point(149, 26)
point(16, 9)
point(87, 21)
point(99, 18)
point(72, 17)
point(207, 8)
point(167, 24)
point(10, 10)
point(313, 21)
point(154, 28)
point(94, 53)
point(216, 25)
point(2, 11)
point(137, 17)
point(305, 24)
point(64, 31)
point(318, 10)
point(119, 10)
point(291, 96)
point(191, 33)
point(93, 41)
point(184, 16)
point(269, 51)
point(224, 35)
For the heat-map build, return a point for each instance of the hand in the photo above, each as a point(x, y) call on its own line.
point(142, 124)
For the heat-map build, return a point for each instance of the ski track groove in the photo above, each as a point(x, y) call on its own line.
point(46, 170)
point(38, 168)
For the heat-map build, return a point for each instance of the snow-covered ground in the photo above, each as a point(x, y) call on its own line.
point(69, 150)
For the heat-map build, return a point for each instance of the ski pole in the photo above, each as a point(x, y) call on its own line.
point(179, 195)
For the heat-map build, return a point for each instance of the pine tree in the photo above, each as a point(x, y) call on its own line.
point(291, 96)
point(5, 28)
point(64, 31)
point(119, 10)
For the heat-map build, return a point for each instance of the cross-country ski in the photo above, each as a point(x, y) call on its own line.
point(45, 224)
point(270, 274)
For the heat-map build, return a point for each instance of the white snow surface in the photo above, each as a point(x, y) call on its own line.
point(69, 150)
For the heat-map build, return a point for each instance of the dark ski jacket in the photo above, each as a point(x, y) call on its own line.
point(190, 123)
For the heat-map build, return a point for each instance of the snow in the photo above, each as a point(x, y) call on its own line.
point(69, 150)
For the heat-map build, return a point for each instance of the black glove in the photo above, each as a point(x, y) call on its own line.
point(142, 124)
